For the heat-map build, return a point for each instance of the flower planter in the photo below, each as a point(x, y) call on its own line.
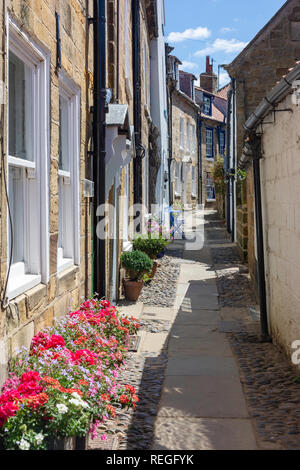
point(81, 443)
point(132, 289)
point(61, 443)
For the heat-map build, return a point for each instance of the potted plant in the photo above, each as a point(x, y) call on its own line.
point(136, 263)
point(153, 247)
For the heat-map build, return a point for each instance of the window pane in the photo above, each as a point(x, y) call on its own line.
point(20, 109)
point(64, 151)
point(16, 202)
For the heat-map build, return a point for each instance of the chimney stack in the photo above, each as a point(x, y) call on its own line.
point(208, 79)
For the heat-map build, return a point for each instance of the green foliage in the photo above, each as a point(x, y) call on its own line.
point(151, 246)
point(136, 263)
point(219, 177)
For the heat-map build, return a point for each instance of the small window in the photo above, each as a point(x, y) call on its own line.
point(209, 143)
point(222, 142)
point(188, 137)
point(210, 188)
point(207, 105)
point(182, 133)
point(193, 139)
point(178, 178)
point(194, 181)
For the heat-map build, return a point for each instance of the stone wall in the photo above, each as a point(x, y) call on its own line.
point(38, 307)
point(256, 70)
point(280, 179)
point(184, 108)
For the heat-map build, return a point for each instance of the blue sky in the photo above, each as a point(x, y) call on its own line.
point(219, 28)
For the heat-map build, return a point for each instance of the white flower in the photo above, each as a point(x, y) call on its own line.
point(76, 395)
point(24, 445)
point(39, 438)
point(62, 408)
point(75, 402)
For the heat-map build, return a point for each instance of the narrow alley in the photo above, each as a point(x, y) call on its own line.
point(204, 379)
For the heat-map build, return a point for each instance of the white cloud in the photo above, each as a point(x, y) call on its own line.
point(222, 45)
point(197, 33)
point(223, 79)
point(227, 30)
point(186, 65)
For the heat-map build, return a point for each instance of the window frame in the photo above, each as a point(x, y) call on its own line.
point(181, 133)
point(34, 269)
point(210, 104)
point(209, 156)
point(222, 133)
point(70, 180)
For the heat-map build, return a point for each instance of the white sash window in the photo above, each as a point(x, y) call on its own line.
point(28, 160)
point(68, 175)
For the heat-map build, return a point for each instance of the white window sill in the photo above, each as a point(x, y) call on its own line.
point(127, 245)
point(210, 199)
point(177, 194)
point(64, 263)
point(17, 285)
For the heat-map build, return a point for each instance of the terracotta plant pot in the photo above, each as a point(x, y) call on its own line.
point(132, 289)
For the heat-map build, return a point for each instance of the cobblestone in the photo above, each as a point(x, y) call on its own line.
point(161, 291)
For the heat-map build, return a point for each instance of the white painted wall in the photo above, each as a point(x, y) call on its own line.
point(159, 108)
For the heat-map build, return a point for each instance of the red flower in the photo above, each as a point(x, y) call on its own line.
point(130, 389)
point(124, 399)
point(105, 397)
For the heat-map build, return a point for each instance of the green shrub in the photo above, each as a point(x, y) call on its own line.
point(136, 263)
point(151, 246)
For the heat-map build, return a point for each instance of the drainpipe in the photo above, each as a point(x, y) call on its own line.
point(170, 114)
point(199, 131)
point(227, 166)
point(99, 22)
point(256, 155)
point(233, 159)
point(137, 101)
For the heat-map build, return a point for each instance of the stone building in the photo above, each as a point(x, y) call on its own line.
point(254, 72)
point(184, 115)
point(46, 72)
point(212, 130)
point(273, 137)
point(49, 218)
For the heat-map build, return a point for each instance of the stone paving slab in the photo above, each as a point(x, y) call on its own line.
point(202, 397)
point(159, 313)
point(153, 342)
point(197, 317)
point(203, 434)
point(203, 302)
point(213, 366)
point(194, 331)
point(198, 288)
point(199, 347)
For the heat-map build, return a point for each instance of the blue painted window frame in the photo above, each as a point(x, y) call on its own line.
point(209, 154)
point(222, 150)
point(210, 104)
